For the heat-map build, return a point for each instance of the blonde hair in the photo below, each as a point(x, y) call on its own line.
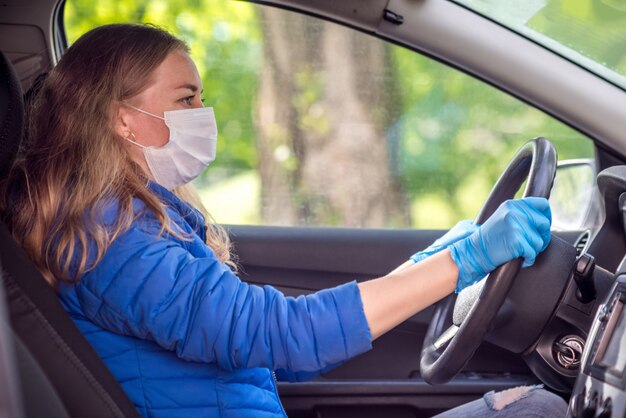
point(73, 163)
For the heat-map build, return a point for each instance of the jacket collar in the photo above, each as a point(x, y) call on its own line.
point(191, 215)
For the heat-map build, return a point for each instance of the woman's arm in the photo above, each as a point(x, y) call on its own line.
point(517, 229)
point(408, 289)
point(177, 294)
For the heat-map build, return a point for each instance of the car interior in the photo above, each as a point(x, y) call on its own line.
point(560, 323)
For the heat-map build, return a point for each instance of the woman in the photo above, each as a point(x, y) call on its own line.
point(98, 200)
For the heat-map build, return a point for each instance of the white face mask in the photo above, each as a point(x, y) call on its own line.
point(191, 148)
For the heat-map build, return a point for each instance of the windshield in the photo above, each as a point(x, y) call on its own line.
point(589, 32)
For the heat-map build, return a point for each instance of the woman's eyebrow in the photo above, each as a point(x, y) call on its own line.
point(189, 86)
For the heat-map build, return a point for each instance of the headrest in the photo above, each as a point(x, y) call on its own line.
point(11, 115)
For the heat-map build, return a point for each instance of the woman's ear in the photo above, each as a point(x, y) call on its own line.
point(122, 120)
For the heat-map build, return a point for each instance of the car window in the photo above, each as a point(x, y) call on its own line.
point(321, 125)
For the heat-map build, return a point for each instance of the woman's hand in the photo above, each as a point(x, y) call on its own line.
point(461, 230)
point(518, 228)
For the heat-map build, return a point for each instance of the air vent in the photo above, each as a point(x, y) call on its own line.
point(581, 243)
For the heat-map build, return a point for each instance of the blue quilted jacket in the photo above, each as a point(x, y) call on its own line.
point(186, 338)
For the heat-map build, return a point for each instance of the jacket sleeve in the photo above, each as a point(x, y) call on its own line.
point(152, 287)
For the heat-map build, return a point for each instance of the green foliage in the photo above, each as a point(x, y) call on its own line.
point(594, 29)
point(590, 32)
point(309, 86)
point(457, 130)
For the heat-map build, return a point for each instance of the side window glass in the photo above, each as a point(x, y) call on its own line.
point(321, 125)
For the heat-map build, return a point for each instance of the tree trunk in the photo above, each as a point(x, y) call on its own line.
point(324, 106)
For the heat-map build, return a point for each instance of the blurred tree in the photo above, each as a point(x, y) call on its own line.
point(324, 104)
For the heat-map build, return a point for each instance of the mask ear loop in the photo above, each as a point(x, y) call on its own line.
point(144, 111)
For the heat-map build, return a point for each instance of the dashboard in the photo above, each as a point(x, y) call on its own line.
point(600, 387)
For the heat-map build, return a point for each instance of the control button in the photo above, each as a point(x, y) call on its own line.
point(583, 276)
point(603, 313)
point(606, 409)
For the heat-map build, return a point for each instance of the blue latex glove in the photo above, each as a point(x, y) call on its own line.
point(461, 230)
point(518, 228)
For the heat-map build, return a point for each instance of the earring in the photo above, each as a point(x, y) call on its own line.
point(134, 140)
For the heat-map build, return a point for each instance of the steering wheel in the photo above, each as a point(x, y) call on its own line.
point(460, 322)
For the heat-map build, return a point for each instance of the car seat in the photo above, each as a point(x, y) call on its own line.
point(59, 374)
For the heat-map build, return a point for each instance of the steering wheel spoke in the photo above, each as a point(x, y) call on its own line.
point(466, 300)
point(446, 337)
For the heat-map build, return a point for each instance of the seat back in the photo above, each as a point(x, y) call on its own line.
point(10, 400)
point(52, 353)
point(11, 115)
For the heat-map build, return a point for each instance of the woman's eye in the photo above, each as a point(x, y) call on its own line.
point(187, 100)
